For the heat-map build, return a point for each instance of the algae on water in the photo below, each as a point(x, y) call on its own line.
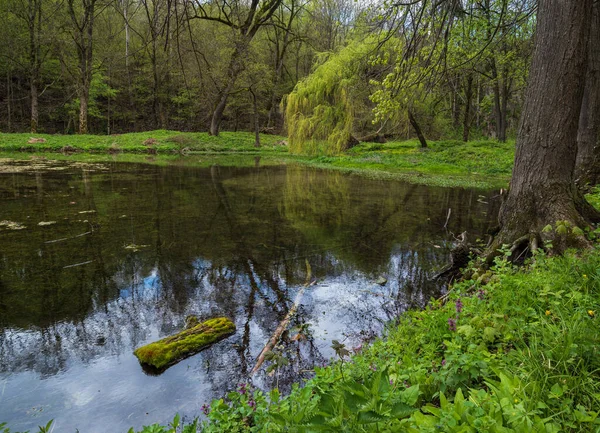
point(160, 355)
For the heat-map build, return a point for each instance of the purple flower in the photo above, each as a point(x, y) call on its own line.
point(481, 294)
point(242, 388)
point(391, 381)
point(205, 409)
point(443, 362)
point(357, 349)
point(459, 306)
point(452, 324)
point(373, 367)
point(252, 404)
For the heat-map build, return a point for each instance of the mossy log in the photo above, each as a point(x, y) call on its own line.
point(158, 356)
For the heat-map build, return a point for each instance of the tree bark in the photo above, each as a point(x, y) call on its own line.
point(468, 103)
point(588, 149)
point(542, 188)
point(34, 23)
point(256, 119)
point(417, 129)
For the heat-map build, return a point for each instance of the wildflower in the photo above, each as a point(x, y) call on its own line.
point(584, 276)
point(459, 306)
point(452, 324)
point(357, 349)
point(373, 367)
point(205, 409)
point(481, 294)
point(516, 400)
point(443, 362)
point(548, 312)
point(242, 388)
point(591, 313)
point(391, 381)
point(252, 404)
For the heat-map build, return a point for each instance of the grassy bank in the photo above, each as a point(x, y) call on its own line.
point(481, 164)
point(154, 142)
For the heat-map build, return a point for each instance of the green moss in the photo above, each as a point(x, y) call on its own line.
point(163, 353)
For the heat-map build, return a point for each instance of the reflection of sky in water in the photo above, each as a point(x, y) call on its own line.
point(235, 246)
point(108, 389)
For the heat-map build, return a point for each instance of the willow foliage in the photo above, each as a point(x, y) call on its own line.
point(320, 111)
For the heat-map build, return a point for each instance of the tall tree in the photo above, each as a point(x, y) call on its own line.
point(245, 21)
point(82, 17)
point(542, 190)
point(588, 150)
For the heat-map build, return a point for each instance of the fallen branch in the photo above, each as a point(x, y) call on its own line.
point(66, 239)
point(284, 323)
point(77, 264)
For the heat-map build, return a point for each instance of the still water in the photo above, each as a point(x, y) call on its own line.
point(111, 256)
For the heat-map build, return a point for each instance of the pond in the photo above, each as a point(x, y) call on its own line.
point(107, 257)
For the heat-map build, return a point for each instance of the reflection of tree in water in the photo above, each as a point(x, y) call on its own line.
point(213, 241)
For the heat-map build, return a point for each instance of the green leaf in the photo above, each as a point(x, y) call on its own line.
point(369, 417)
point(547, 229)
point(401, 410)
point(410, 395)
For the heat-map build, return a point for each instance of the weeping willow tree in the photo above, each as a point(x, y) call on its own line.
point(320, 112)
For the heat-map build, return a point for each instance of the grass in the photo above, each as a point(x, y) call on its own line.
point(170, 350)
point(443, 163)
point(477, 164)
point(160, 141)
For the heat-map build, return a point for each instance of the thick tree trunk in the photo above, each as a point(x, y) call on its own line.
point(417, 129)
point(542, 188)
point(588, 149)
point(468, 103)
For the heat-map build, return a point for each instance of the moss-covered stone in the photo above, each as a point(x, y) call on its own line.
point(160, 355)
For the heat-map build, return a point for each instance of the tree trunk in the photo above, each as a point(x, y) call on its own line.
point(215, 122)
point(468, 103)
point(417, 129)
point(256, 120)
point(542, 188)
point(34, 107)
point(588, 149)
point(83, 109)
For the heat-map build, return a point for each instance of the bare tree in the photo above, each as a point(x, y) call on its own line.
point(82, 17)
point(245, 20)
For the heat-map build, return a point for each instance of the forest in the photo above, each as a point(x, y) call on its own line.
point(453, 69)
point(300, 216)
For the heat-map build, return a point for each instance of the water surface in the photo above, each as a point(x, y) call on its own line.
point(127, 251)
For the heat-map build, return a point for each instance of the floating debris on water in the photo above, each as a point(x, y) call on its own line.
point(381, 281)
point(158, 356)
point(11, 225)
point(135, 247)
point(46, 223)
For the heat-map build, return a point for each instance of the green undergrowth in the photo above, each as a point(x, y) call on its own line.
point(163, 353)
point(160, 141)
point(443, 163)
